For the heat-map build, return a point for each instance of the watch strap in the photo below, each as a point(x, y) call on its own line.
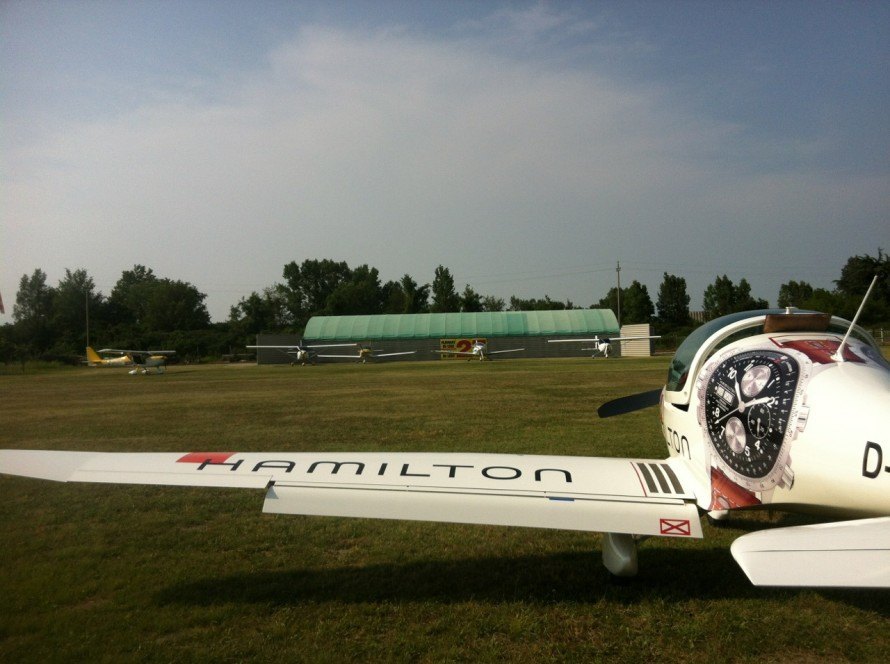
point(726, 494)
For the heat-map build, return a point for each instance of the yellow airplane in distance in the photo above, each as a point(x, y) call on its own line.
point(140, 360)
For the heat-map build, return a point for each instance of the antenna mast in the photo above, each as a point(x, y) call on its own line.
point(839, 355)
point(618, 292)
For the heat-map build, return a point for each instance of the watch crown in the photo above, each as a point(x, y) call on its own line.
point(802, 416)
point(787, 480)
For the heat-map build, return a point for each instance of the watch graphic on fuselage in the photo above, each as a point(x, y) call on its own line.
point(749, 409)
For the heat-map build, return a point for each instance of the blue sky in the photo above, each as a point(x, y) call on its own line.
point(527, 146)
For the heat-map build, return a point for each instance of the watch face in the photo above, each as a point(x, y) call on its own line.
point(746, 406)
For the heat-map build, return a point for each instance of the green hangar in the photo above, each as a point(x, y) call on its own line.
point(428, 333)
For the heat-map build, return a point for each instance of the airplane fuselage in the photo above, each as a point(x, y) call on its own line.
point(158, 362)
point(478, 351)
point(776, 420)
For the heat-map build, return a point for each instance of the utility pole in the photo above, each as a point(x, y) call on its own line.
point(618, 292)
point(87, 300)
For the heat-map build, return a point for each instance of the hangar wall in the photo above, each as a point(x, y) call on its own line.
point(423, 332)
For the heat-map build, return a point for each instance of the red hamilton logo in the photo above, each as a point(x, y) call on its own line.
point(205, 457)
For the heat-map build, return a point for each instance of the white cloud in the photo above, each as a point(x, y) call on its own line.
point(399, 151)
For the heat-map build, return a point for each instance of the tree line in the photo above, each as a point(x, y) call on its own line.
point(147, 311)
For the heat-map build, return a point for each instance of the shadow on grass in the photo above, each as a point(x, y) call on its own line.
point(665, 575)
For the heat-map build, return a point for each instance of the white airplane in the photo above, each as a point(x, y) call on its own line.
point(365, 353)
point(479, 351)
point(601, 345)
point(771, 409)
point(303, 354)
point(140, 360)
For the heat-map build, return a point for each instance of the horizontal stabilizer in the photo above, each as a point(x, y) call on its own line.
point(846, 554)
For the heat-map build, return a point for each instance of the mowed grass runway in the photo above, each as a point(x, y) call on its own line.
point(110, 573)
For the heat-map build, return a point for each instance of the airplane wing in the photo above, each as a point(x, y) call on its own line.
point(512, 350)
point(138, 352)
point(600, 339)
point(633, 496)
point(847, 554)
point(452, 352)
point(298, 346)
point(340, 357)
point(404, 352)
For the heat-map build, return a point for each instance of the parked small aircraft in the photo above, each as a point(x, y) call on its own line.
point(776, 409)
point(366, 353)
point(601, 345)
point(141, 360)
point(479, 351)
point(303, 354)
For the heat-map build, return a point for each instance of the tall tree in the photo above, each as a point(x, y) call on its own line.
point(636, 305)
point(794, 294)
point(129, 297)
point(535, 304)
point(309, 285)
point(492, 303)
point(175, 305)
point(417, 298)
point(858, 272)
point(32, 312)
point(360, 294)
point(719, 297)
point(724, 297)
point(827, 301)
point(673, 302)
point(445, 298)
point(266, 312)
point(470, 300)
point(745, 301)
point(405, 296)
point(74, 300)
point(856, 276)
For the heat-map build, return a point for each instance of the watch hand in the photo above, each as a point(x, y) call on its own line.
point(725, 415)
point(759, 401)
point(742, 405)
point(738, 395)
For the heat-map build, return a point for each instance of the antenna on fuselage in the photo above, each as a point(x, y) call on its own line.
point(839, 354)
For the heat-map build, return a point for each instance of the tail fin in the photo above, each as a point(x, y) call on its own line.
point(92, 356)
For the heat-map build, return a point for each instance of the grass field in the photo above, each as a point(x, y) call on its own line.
point(110, 573)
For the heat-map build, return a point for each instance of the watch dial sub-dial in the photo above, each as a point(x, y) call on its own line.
point(747, 403)
point(759, 420)
point(754, 380)
point(735, 434)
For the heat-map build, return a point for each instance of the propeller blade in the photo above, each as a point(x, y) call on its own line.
point(629, 404)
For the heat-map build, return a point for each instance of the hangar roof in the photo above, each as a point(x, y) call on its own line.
point(463, 325)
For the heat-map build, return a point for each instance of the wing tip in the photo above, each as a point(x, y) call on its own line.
point(42, 464)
